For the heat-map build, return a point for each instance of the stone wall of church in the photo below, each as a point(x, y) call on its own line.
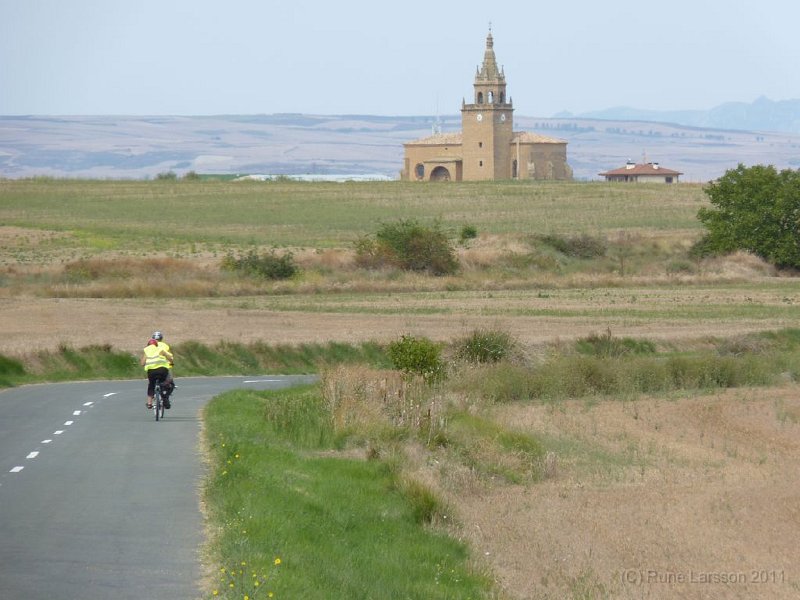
point(542, 161)
point(417, 156)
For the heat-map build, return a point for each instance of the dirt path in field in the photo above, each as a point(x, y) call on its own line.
point(34, 323)
point(690, 498)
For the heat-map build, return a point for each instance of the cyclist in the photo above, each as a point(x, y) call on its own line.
point(170, 381)
point(156, 363)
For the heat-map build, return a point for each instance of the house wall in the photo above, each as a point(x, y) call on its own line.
point(656, 178)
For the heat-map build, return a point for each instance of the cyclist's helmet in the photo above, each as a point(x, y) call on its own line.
point(157, 335)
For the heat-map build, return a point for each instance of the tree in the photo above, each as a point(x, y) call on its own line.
point(755, 209)
point(408, 245)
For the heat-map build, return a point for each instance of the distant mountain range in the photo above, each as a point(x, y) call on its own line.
point(761, 115)
point(702, 145)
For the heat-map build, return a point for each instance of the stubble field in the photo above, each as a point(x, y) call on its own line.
point(686, 495)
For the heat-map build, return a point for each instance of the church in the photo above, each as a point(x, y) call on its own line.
point(487, 148)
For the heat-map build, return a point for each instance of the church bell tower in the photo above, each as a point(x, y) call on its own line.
point(487, 123)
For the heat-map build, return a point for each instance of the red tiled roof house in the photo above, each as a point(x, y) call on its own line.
point(642, 173)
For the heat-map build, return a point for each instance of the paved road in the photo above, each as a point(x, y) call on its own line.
point(97, 500)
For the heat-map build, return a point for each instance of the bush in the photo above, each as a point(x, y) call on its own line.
point(417, 356)
point(582, 246)
point(265, 266)
point(166, 176)
point(409, 246)
point(468, 232)
point(485, 346)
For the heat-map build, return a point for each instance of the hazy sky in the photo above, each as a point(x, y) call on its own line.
point(411, 57)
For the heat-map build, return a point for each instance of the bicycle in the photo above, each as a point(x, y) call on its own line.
point(159, 396)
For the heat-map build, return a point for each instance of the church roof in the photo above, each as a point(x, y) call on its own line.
point(438, 139)
point(456, 139)
point(528, 137)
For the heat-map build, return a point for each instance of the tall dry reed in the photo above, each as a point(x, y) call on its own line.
point(361, 397)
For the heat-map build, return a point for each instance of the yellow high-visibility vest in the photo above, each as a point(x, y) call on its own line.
point(154, 359)
point(165, 346)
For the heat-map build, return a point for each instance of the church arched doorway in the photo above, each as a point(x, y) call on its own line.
point(440, 174)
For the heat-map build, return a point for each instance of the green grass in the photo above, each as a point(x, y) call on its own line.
point(341, 528)
point(119, 214)
point(628, 371)
point(67, 363)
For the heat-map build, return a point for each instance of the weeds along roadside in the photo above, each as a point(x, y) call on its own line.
point(486, 363)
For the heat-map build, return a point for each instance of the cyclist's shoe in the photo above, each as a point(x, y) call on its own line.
point(167, 403)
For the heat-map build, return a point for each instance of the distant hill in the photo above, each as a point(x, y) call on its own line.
point(761, 115)
point(351, 145)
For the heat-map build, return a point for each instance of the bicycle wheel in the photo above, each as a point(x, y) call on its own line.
point(157, 406)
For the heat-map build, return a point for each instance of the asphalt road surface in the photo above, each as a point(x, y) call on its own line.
point(99, 501)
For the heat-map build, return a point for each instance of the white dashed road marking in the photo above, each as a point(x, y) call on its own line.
point(75, 413)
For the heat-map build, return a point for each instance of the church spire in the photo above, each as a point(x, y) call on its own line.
point(488, 70)
point(490, 81)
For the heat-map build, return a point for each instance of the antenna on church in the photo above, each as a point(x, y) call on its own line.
point(436, 128)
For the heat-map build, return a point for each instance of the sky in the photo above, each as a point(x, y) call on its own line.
point(411, 57)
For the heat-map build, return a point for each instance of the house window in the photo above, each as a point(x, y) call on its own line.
point(480, 164)
point(480, 144)
point(480, 97)
point(669, 179)
point(419, 171)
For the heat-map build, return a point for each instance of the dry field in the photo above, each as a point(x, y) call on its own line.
point(687, 497)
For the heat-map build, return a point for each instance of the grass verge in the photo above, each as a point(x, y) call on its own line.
point(304, 524)
point(101, 361)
